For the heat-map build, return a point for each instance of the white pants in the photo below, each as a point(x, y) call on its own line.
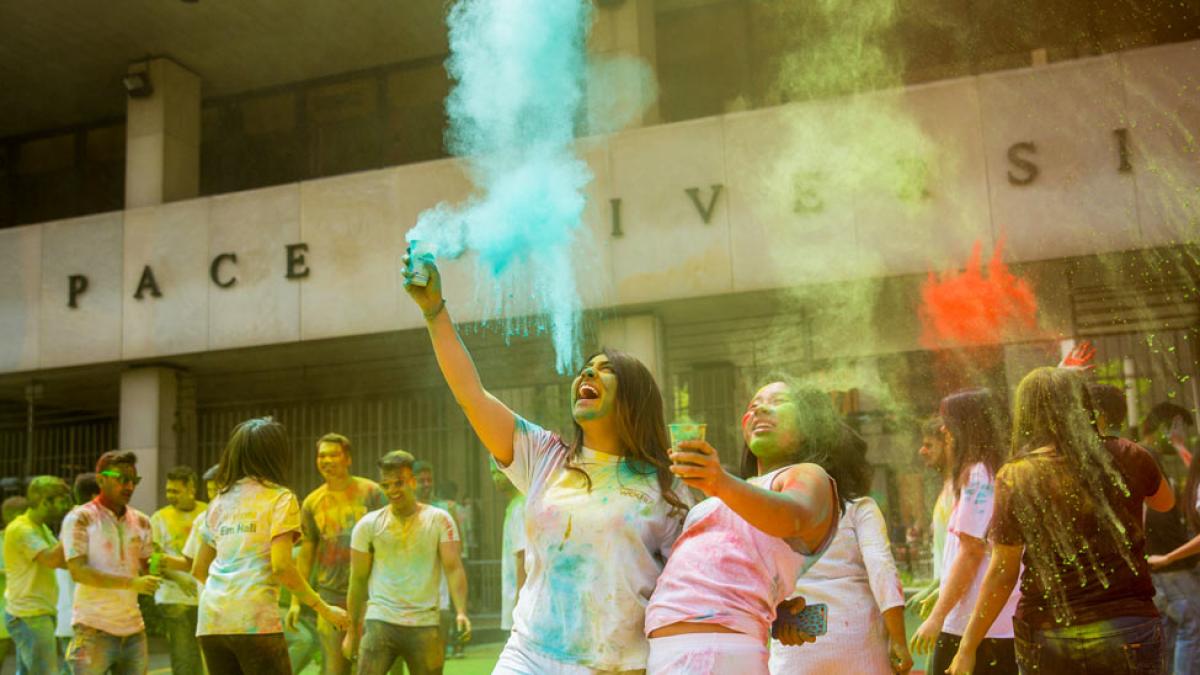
point(707, 654)
point(518, 659)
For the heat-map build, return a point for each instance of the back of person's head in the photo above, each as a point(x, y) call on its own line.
point(185, 475)
point(42, 488)
point(848, 465)
point(116, 458)
point(257, 449)
point(1161, 416)
point(13, 507)
point(978, 431)
point(1052, 409)
point(1108, 403)
point(86, 487)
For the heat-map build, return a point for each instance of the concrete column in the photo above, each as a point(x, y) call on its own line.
point(626, 28)
point(162, 136)
point(640, 335)
point(149, 409)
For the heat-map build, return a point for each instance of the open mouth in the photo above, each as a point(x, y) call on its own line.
point(587, 392)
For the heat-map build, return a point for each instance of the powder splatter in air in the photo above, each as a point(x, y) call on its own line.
point(520, 68)
point(974, 306)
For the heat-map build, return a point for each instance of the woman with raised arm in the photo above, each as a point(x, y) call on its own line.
point(743, 548)
point(1069, 506)
point(601, 511)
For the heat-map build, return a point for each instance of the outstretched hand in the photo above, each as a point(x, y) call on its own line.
point(429, 296)
point(698, 465)
point(1080, 357)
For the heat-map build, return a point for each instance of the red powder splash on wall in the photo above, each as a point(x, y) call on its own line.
point(976, 306)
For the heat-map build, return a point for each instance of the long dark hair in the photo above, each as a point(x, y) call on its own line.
point(257, 449)
point(849, 467)
point(817, 421)
point(641, 426)
point(977, 426)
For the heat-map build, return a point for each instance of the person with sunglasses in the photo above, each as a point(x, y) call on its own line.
point(109, 551)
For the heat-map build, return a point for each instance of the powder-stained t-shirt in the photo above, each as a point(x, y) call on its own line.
point(406, 567)
point(66, 594)
point(171, 529)
point(32, 589)
point(114, 544)
point(327, 519)
point(241, 594)
point(592, 557)
point(1041, 501)
point(971, 516)
point(513, 542)
point(191, 547)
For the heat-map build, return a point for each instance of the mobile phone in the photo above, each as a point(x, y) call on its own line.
point(812, 620)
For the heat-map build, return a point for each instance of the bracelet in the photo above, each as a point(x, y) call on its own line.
point(429, 316)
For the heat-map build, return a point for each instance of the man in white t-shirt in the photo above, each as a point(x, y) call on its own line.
point(398, 556)
point(109, 549)
point(512, 565)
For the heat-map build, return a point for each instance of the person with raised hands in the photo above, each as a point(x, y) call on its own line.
point(602, 508)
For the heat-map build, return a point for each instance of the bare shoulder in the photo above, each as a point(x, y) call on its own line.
point(800, 476)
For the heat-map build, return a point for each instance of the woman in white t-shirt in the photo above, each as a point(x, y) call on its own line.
point(601, 511)
point(246, 538)
point(976, 441)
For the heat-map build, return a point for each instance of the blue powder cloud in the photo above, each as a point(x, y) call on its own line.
point(520, 68)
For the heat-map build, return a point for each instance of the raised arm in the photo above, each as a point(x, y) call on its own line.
point(492, 421)
point(800, 507)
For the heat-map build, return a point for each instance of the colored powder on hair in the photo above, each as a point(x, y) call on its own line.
point(520, 69)
point(976, 307)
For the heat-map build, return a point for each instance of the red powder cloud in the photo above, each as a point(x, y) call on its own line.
point(976, 306)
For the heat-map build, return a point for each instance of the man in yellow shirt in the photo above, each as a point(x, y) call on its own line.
point(177, 597)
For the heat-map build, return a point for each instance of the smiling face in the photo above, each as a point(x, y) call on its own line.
point(770, 424)
point(400, 486)
point(181, 494)
point(332, 461)
point(594, 391)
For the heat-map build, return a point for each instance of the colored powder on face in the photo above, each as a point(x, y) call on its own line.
point(974, 307)
point(520, 67)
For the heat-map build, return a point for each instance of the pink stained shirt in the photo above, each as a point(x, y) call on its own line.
point(725, 571)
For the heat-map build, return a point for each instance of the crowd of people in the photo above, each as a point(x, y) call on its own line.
point(1057, 544)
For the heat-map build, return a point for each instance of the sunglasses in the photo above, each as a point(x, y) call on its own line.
point(133, 480)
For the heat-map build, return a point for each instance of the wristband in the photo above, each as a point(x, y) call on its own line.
point(429, 316)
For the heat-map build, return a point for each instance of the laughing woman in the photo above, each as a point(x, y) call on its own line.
point(601, 511)
point(743, 548)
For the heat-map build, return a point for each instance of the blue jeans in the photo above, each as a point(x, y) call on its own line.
point(1178, 599)
point(1129, 644)
point(94, 652)
point(33, 639)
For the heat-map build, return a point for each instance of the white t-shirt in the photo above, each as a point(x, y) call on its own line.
point(116, 545)
point(938, 524)
point(66, 595)
point(241, 595)
point(191, 547)
point(31, 589)
point(172, 543)
point(592, 557)
point(513, 543)
point(406, 568)
point(971, 516)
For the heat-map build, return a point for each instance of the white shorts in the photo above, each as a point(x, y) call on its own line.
point(518, 659)
point(707, 654)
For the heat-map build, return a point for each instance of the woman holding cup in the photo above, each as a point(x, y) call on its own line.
point(742, 549)
point(602, 511)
